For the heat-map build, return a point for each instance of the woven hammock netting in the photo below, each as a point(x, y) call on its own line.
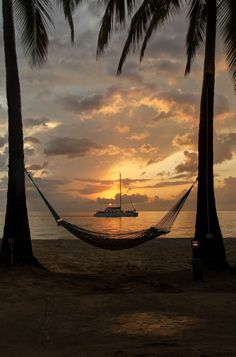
point(119, 240)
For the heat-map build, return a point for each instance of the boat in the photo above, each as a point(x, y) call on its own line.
point(117, 211)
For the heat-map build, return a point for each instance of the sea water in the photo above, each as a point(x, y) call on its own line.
point(43, 226)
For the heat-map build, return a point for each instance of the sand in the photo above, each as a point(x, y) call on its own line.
point(139, 302)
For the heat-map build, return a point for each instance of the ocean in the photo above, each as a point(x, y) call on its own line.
point(43, 226)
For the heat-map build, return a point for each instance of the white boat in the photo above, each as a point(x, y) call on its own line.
point(117, 211)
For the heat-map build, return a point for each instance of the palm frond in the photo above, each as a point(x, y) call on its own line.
point(138, 28)
point(34, 18)
point(146, 19)
point(197, 16)
point(68, 7)
point(160, 15)
point(227, 10)
point(116, 13)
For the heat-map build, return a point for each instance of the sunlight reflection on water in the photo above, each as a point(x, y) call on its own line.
point(44, 227)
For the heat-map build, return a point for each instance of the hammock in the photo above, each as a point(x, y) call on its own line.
point(121, 240)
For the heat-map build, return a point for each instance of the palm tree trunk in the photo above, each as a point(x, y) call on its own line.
point(207, 230)
point(16, 244)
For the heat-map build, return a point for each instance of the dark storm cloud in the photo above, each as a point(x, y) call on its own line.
point(71, 147)
point(32, 122)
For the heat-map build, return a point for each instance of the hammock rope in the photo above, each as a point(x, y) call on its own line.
point(121, 240)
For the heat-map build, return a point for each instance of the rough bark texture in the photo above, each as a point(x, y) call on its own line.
point(16, 245)
point(207, 230)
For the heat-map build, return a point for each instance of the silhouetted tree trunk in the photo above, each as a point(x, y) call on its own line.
point(207, 230)
point(16, 227)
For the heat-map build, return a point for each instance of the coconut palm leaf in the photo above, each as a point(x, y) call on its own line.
point(160, 15)
point(150, 15)
point(227, 21)
point(68, 7)
point(115, 14)
point(197, 16)
point(34, 19)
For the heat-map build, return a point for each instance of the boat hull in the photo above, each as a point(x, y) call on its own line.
point(116, 214)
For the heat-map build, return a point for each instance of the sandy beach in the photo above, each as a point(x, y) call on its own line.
point(139, 302)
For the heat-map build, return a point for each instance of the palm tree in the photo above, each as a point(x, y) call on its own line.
point(34, 16)
point(204, 18)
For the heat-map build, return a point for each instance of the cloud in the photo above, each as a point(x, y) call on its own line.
point(3, 141)
point(221, 104)
point(126, 181)
point(122, 129)
point(147, 148)
point(167, 184)
point(163, 115)
point(91, 189)
point(187, 101)
point(36, 167)
point(76, 104)
point(189, 165)
point(3, 162)
point(225, 146)
point(163, 173)
point(130, 182)
point(135, 198)
point(152, 161)
point(71, 147)
point(51, 185)
point(29, 151)
point(33, 122)
point(131, 72)
point(138, 136)
point(226, 194)
point(186, 141)
point(31, 140)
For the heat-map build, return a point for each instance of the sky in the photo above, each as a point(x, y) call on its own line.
point(83, 125)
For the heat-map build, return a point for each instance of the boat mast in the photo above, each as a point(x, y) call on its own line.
point(120, 191)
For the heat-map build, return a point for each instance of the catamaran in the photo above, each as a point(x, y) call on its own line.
point(117, 211)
